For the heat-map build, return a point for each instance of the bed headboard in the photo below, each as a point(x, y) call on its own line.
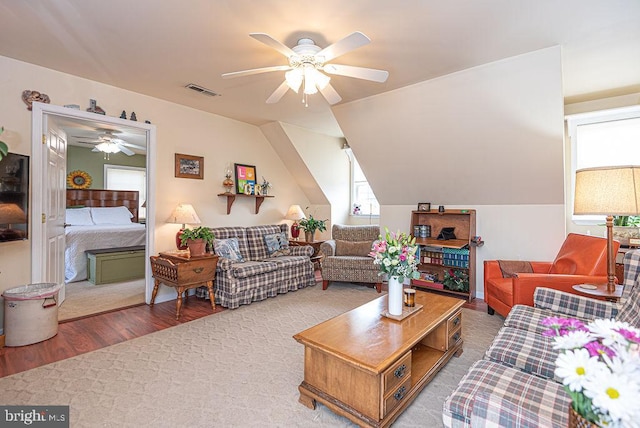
point(105, 198)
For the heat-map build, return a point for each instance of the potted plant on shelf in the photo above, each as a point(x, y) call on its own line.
point(310, 225)
point(197, 240)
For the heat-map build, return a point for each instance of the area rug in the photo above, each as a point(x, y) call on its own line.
point(238, 368)
point(83, 298)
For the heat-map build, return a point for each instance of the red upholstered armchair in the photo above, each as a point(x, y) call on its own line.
point(582, 259)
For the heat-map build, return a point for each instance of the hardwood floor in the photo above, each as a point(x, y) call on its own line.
point(87, 334)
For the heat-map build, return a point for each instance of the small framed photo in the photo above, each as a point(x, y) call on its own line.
point(188, 166)
point(245, 178)
point(424, 206)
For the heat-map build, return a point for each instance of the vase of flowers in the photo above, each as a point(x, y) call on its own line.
point(396, 256)
point(599, 364)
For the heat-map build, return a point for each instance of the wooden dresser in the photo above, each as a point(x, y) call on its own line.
point(369, 368)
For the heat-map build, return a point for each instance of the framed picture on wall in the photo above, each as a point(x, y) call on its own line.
point(188, 166)
point(245, 177)
point(424, 206)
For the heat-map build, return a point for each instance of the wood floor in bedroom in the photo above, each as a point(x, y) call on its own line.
point(98, 331)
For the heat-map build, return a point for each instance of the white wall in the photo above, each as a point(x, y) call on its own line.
point(179, 130)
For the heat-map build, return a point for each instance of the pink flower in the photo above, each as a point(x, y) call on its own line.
point(597, 349)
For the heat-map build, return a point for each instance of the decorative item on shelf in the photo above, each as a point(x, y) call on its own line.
point(626, 229)
point(78, 180)
point(424, 206)
point(123, 115)
point(477, 241)
point(456, 280)
point(310, 225)
point(197, 240)
point(183, 214)
point(187, 166)
point(265, 186)
point(295, 213)
point(133, 116)
point(227, 182)
point(396, 256)
point(441, 209)
point(356, 209)
point(30, 96)
point(94, 108)
point(599, 365)
point(73, 106)
point(608, 191)
point(4, 149)
point(248, 189)
point(245, 174)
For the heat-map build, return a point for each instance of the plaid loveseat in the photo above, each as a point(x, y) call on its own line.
point(514, 385)
point(259, 276)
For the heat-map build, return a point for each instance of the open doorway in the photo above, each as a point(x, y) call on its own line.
point(82, 133)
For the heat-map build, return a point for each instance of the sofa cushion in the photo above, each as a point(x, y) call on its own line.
point(255, 239)
point(501, 289)
point(490, 411)
point(228, 248)
point(353, 248)
point(277, 244)
point(247, 269)
point(582, 255)
point(234, 232)
point(524, 350)
point(630, 311)
point(531, 393)
point(288, 261)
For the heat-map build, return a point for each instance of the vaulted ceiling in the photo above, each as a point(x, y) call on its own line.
point(157, 47)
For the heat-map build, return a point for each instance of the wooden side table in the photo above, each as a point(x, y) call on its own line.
point(184, 273)
point(600, 291)
point(317, 255)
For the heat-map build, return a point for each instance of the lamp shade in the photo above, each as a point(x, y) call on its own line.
point(183, 214)
point(12, 214)
point(608, 191)
point(294, 213)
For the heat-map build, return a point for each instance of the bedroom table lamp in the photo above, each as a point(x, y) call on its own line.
point(183, 214)
point(613, 190)
point(295, 213)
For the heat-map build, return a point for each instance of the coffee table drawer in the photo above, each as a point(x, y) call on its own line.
point(454, 322)
point(396, 396)
point(397, 373)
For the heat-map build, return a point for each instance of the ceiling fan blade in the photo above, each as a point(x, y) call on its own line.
point(357, 72)
point(255, 71)
point(125, 150)
point(330, 94)
point(273, 43)
point(342, 46)
point(278, 93)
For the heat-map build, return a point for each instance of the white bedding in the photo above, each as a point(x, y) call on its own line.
point(82, 238)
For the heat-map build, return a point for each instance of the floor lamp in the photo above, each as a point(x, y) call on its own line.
point(612, 190)
point(183, 214)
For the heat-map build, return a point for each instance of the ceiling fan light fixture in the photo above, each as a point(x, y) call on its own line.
point(108, 147)
point(294, 79)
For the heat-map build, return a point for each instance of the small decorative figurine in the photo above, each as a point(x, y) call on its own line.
point(133, 116)
point(123, 115)
point(30, 96)
point(94, 108)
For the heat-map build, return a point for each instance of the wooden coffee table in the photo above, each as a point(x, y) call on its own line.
point(369, 368)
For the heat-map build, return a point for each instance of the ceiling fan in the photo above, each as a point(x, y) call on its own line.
point(307, 61)
point(108, 143)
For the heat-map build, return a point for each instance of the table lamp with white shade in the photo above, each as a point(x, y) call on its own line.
point(295, 213)
point(610, 190)
point(183, 214)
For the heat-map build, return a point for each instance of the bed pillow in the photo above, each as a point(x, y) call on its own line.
point(228, 248)
point(353, 248)
point(111, 215)
point(277, 244)
point(78, 217)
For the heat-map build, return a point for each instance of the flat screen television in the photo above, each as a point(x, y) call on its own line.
point(14, 197)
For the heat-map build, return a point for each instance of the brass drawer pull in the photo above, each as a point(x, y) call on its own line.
point(456, 336)
point(456, 321)
point(198, 270)
point(399, 395)
point(399, 372)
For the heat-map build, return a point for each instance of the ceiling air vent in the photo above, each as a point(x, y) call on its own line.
point(203, 91)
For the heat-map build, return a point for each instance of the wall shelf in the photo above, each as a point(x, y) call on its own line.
point(231, 197)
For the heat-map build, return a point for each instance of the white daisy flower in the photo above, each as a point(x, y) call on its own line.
point(614, 393)
point(606, 330)
point(572, 340)
point(573, 367)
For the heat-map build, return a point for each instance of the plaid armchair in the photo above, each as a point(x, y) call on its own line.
point(346, 256)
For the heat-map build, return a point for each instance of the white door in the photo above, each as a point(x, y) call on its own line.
point(55, 166)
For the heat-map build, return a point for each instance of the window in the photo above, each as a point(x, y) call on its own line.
point(603, 138)
point(363, 201)
point(118, 177)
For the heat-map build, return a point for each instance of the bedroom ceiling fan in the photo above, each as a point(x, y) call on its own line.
point(308, 61)
point(108, 143)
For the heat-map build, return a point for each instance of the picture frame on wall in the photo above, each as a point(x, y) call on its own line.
point(245, 175)
point(424, 206)
point(188, 166)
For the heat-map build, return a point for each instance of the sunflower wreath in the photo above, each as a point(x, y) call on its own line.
point(78, 180)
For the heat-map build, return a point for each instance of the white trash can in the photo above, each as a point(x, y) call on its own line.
point(30, 313)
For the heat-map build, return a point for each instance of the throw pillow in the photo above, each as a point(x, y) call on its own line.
point(277, 244)
point(353, 248)
point(228, 248)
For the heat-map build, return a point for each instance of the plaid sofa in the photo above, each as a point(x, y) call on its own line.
point(514, 385)
point(259, 276)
